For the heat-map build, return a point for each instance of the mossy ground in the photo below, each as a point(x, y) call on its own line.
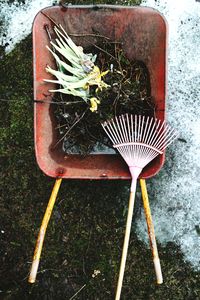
point(86, 229)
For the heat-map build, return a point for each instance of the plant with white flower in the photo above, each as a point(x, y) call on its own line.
point(76, 71)
point(96, 273)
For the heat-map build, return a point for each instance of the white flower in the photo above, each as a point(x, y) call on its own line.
point(96, 273)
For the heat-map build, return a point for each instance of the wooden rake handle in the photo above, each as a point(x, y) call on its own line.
point(126, 238)
point(152, 238)
point(41, 235)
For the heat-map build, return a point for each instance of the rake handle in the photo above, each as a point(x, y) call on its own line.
point(126, 238)
point(152, 238)
point(41, 235)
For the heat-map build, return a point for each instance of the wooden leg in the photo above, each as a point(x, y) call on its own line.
point(151, 233)
point(41, 235)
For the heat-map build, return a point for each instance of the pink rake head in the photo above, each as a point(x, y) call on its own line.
point(139, 139)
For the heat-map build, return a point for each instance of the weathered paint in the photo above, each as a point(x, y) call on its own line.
point(142, 32)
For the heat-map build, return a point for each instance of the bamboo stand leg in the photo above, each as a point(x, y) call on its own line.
point(151, 233)
point(41, 235)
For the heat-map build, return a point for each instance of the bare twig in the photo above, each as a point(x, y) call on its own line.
point(59, 102)
point(116, 99)
point(102, 50)
point(48, 17)
point(118, 59)
point(94, 137)
point(78, 292)
point(48, 32)
point(9, 100)
point(89, 34)
point(68, 131)
point(75, 34)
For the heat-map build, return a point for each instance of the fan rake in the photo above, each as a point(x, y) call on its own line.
point(139, 139)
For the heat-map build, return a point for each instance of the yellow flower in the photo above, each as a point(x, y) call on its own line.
point(95, 78)
point(94, 104)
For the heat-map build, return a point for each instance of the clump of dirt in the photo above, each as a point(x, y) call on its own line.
point(128, 92)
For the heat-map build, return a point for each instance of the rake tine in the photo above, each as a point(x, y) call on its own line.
point(152, 238)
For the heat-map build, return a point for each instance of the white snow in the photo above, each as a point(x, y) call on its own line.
point(17, 20)
point(175, 191)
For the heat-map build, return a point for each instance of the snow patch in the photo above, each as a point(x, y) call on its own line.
point(175, 192)
point(16, 20)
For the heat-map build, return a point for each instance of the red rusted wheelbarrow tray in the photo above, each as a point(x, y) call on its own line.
point(142, 32)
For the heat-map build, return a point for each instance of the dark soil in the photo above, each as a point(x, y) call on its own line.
point(128, 92)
